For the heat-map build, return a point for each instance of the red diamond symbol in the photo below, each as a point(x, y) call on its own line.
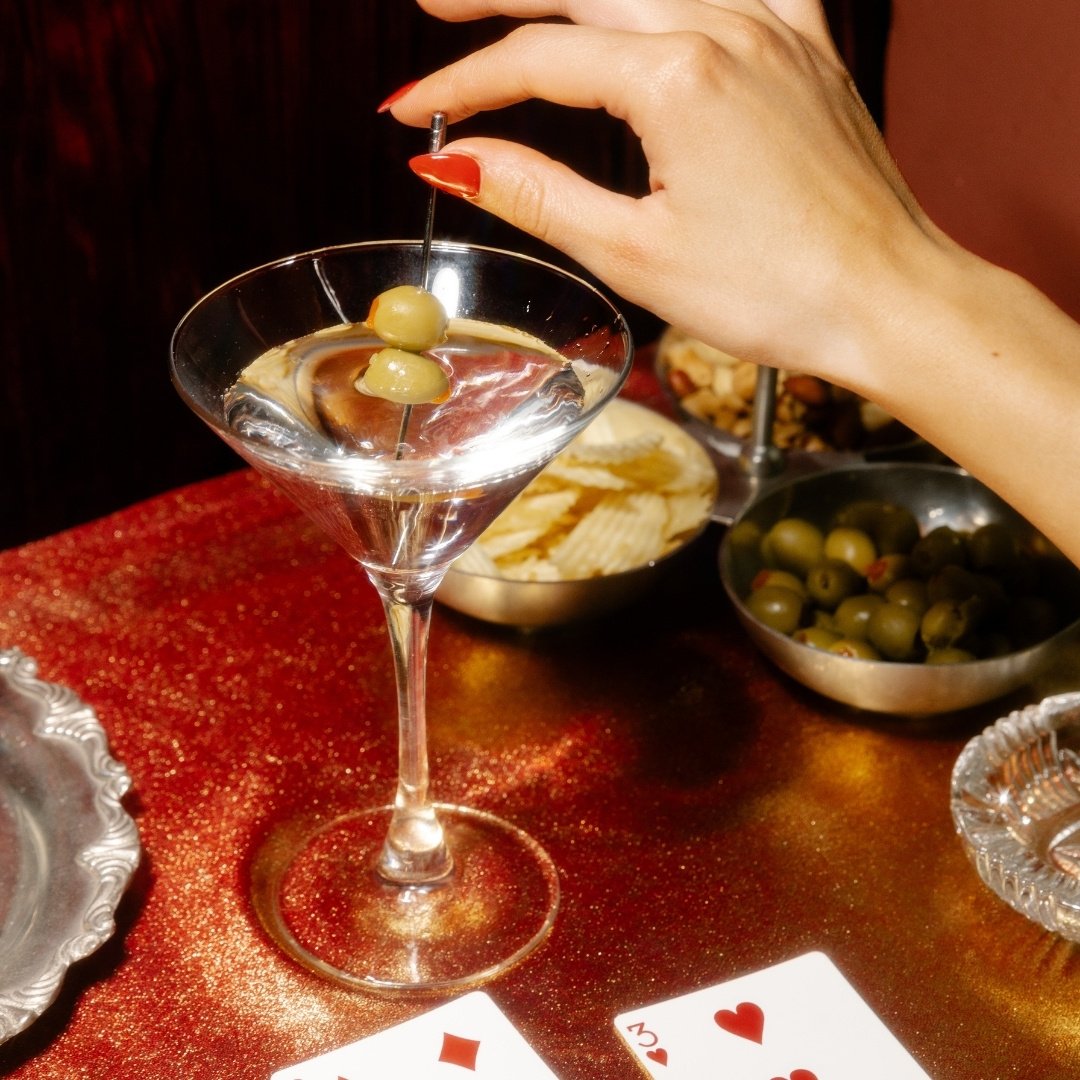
point(459, 1051)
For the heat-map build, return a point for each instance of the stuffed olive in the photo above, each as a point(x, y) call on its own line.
point(870, 584)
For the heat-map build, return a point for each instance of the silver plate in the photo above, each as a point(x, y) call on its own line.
point(67, 846)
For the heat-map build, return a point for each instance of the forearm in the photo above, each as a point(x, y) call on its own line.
point(987, 369)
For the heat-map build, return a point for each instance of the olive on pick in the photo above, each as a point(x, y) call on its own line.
point(407, 378)
point(409, 318)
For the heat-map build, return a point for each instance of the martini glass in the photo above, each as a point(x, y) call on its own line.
point(413, 894)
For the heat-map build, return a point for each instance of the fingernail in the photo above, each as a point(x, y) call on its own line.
point(396, 95)
point(456, 174)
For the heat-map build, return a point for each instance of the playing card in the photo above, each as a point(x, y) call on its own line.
point(798, 1020)
point(466, 1037)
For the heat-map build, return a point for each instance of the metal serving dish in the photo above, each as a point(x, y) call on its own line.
point(67, 846)
point(937, 495)
point(878, 436)
point(535, 604)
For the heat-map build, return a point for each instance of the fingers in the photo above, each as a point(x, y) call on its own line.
point(648, 16)
point(605, 67)
point(583, 66)
point(536, 194)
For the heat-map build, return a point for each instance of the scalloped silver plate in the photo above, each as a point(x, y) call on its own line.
point(67, 846)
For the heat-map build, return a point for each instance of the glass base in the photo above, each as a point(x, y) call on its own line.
point(319, 897)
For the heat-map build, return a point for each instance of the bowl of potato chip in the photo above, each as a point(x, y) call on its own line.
point(594, 530)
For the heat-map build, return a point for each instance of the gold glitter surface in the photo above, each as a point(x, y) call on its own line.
point(707, 816)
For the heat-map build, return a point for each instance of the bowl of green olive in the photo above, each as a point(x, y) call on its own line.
point(905, 589)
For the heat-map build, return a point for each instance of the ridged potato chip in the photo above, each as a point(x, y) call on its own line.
point(626, 492)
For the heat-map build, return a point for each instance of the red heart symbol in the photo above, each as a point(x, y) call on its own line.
point(798, 1074)
point(747, 1021)
point(659, 1055)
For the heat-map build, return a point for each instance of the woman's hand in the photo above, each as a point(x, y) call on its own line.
point(775, 211)
point(777, 227)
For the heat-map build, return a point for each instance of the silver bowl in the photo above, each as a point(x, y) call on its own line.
point(889, 440)
point(937, 495)
point(534, 604)
point(1016, 805)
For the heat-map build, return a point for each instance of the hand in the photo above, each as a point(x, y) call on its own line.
point(776, 216)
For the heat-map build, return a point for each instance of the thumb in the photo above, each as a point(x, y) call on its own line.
point(534, 193)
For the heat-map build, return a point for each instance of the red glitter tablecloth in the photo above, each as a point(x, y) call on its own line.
point(708, 817)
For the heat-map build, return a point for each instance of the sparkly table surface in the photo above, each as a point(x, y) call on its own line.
point(708, 817)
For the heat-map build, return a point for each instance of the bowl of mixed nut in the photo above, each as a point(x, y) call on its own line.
point(714, 395)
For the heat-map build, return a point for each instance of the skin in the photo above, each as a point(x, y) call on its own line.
point(778, 228)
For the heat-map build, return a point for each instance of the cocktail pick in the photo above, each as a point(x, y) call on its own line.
point(436, 138)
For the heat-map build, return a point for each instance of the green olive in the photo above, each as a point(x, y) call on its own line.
point(407, 378)
point(951, 582)
point(830, 581)
point(981, 595)
point(855, 649)
point(897, 530)
point(944, 624)
point(893, 528)
point(852, 546)
point(772, 576)
point(793, 544)
point(994, 548)
point(817, 637)
point(911, 592)
point(885, 571)
point(938, 548)
point(861, 514)
point(894, 631)
point(854, 613)
point(778, 608)
point(409, 318)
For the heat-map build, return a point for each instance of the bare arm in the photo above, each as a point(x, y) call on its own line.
point(777, 227)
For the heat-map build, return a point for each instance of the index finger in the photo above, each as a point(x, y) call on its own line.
point(530, 62)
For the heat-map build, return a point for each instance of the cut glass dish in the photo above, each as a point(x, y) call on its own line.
point(1016, 804)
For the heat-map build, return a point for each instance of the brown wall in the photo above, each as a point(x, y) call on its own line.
point(983, 116)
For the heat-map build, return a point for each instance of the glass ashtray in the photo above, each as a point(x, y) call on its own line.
point(1016, 805)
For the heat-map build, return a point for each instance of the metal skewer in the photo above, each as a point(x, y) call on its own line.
point(436, 139)
point(760, 459)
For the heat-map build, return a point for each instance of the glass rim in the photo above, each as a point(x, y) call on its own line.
point(421, 477)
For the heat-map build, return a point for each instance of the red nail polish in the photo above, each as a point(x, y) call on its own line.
point(396, 95)
point(456, 174)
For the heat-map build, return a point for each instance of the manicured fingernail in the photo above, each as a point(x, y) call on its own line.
point(456, 174)
point(396, 96)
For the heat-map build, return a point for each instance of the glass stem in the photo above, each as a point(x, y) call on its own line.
point(415, 851)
